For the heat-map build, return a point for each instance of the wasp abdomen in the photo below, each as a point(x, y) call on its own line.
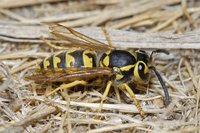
point(69, 58)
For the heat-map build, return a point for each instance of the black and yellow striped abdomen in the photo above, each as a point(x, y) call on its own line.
point(69, 58)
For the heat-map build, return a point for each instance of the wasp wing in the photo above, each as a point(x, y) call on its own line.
point(67, 74)
point(75, 38)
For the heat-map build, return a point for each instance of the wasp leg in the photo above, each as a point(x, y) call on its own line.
point(103, 97)
point(117, 94)
point(53, 45)
point(118, 97)
point(131, 93)
point(107, 37)
point(65, 86)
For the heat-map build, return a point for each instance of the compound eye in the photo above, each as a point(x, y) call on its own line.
point(141, 72)
point(141, 67)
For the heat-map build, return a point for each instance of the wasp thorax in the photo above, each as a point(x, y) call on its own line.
point(121, 61)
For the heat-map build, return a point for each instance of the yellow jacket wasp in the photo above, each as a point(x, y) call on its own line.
point(77, 66)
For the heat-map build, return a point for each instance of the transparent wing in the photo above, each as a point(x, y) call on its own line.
point(75, 38)
point(67, 74)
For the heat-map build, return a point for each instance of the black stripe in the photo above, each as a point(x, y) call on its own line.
point(78, 56)
point(90, 55)
point(50, 59)
point(62, 64)
point(41, 65)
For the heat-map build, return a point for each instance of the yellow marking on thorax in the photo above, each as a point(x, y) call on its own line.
point(56, 60)
point(119, 76)
point(108, 52)
point(127, 68)
point(106, 61)
point(86, 59)
point(46, 63)
point(69, 58)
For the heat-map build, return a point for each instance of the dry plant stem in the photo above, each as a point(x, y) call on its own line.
point(119, 107)
point(184, 7)
point(67, 113)
point(20, 40)
point(64, 17)
point(94, 121)
point(179, 72)
point(157, 15)
point(109, 2)
point(187, 130)
point(142, 8)
point(69, 127)
point(110, 128)
point(106, 15)
point(77, 6)
point(47, 126)
point(9, 77)
point(89, 3)
point(16, 3)
point(135, 19)
point(12, 15)
point(32, 118)
point(22, 67)
point(34, 89)
point(122, 39)
point(39, 114)
point(16, 55)
point(25, 33)
point(145, 23)
point(167, 22)
point(63, 117)
point(131, 21)
point(80, 22)
point(191, 74)
point(197, 104)
point(91, 121)
point(9, 112)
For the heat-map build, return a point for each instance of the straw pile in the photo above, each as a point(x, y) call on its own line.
point(147, 24)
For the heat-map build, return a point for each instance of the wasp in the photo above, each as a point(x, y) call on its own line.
point(79, 63)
